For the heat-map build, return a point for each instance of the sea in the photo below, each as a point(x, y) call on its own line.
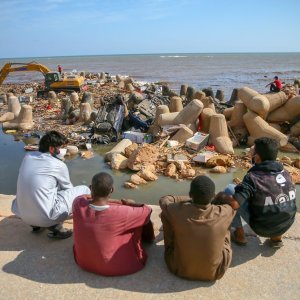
point(224, 71)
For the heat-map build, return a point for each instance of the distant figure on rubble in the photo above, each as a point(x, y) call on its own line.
point(266, 198)
point(108, 233)
point(59, 69)
point(275, 86)
point(196, 232)
point(44, 191)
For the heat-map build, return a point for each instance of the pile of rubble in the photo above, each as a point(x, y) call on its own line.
point(161, 132)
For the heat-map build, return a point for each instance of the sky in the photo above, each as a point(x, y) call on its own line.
point(34, 28)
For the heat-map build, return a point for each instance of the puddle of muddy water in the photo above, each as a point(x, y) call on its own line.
point(82, 171)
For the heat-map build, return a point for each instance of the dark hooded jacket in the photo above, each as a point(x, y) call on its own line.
point(271, 196)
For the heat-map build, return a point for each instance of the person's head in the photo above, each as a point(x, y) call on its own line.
point(276, 77)
point(51, 142)
point(265, 149)
point(102, 185)
point(202, 190)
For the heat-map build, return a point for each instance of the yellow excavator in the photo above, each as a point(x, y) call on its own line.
point(53, 80)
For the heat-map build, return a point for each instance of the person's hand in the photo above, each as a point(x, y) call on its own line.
point(87, 197)
point(131, 202)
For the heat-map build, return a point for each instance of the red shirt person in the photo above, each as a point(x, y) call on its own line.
point(108, 233)
point(275, 86)
point(59, 69)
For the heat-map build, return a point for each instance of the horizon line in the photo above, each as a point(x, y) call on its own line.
point(156, 53)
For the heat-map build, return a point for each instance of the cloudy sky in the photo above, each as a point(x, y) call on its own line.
point(69, 27)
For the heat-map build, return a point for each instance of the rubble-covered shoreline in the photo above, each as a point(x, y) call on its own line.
point(161, 132)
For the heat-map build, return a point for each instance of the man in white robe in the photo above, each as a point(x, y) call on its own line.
point(45, 193)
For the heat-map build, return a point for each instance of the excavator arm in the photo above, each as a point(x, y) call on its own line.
point(19, 67)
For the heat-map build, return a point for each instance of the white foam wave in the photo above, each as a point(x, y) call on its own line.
point(172, 56)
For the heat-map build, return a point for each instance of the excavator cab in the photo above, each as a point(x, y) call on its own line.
point(50, 78)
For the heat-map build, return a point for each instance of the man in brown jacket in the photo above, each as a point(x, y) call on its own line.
point(196, 232)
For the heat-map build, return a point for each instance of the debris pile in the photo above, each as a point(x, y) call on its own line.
point(158, 131)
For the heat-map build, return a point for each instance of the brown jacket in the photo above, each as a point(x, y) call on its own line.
point(197, 237)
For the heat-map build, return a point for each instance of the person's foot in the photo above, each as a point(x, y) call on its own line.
point(36, 229)
point(58, 232)
point(239, 237)
point(276, 242)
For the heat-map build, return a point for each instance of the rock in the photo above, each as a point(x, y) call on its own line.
point(180, 165)
point(72, 150)
point(297, 163)
point(88, 154)
point(130, 149)
point(150, 168)
point(136, 179)
point(136, 97)
point(118, 162)
point(286, 160)
point(129, 87)
point(147, 175)
point(121, 84)
point(220, 160)
point(188, 173)
point(130, 185)
point(219, 170)
point(145, 155)
point(171, 170)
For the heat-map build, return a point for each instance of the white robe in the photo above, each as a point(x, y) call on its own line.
point(45, 193)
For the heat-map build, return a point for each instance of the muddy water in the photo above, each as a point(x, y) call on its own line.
point(82, 171)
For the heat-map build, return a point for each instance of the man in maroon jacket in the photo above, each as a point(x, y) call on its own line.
point(108, 233)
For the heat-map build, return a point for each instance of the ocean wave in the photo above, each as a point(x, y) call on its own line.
point(172, 56)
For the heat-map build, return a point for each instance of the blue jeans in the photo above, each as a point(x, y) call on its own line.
point(243, 210)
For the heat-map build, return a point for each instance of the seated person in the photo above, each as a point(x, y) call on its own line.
point(266, 197)
point(45, 193)
point(108, 233)
point(196, 232)
point(275, 86)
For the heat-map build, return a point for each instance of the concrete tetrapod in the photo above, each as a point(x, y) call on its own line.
point(14, 108)
point(254, 101)
point(183, 134)
point(23, 121)
point(119, 148)
point(74, 97)
point(258, 127)
point(295, 129)
point(188, 115)
point(287, 112)
point(276, 100)
point(218, 134)
point(161, 109)
point(85, 112)
point(205, 119)
point(175, 104)
point(208, 103)
point(236, 120)
point(228, 113)
point(183, 89)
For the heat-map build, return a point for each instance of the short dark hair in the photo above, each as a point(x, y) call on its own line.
point(52, 138)
point(202, 190)
point(266, 148)
point(275, 77)
point(102, 184)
